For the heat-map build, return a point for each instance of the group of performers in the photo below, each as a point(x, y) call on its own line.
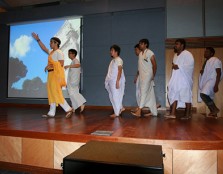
point(179, 87)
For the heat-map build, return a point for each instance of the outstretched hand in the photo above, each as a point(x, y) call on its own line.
point(35, 36)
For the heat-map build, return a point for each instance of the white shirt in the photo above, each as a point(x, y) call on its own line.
point(57, 55)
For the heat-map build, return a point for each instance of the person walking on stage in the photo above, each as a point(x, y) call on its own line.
point(115, 81)
point(181, 81)
point(136, 80)
point(56, 76)
point(146, 72)
point(210, 76)
point(73, 81)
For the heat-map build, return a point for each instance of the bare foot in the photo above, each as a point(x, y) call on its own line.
point(211, 115)
point(82, 108)
point(158, 106)
point(123, 109)
point(113, 116)
point(137, 113)
point(47, 116)
point(69, 113)
point(167, 116)
point(148, 115)
point(134, 110)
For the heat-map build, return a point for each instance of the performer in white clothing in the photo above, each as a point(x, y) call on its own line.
point(181, 81)
point(115, 81)
point(136, 80)
point(73, 81)
point(146, 73)
point(210, 76)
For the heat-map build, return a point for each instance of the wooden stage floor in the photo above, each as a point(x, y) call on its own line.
point(197, 133)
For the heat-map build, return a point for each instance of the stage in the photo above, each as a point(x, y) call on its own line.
point(24, 132)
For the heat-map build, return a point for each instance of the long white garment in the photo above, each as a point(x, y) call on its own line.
point(146, 84)
point(208, 78)
point(137, 92)
point(115, 95)
point(52, 110)
point(73, 82)
point(181, 81)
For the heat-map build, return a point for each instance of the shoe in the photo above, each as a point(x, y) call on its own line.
point(69, 113)
point(82, 108)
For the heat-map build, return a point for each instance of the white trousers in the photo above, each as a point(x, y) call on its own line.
point(116, 96)
point(76, 98)
point(65, 107)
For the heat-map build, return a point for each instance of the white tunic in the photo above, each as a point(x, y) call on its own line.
point(115, 95)
point(181, 81)
point(146, 84)
point(73, 82)
point(208, 78)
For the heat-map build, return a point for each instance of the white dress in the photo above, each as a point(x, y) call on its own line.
point(181, 81)
point(146, 84)
point(208, 78)
point(115, 95)
point(73, 82)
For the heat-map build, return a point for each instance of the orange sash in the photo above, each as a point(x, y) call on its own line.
point(55, 82)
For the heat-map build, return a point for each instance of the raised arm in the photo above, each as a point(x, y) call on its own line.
point(42, 46)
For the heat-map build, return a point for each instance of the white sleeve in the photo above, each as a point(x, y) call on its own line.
point(149, 54)
point(119, 62)
point(217, 64)
point(60, 55)
point(76, 61)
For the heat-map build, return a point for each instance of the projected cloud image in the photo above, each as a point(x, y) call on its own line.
point(26, 76)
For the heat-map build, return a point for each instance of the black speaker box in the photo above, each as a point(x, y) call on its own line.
point(99, 157)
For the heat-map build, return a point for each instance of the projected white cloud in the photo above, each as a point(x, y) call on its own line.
point(21, 46)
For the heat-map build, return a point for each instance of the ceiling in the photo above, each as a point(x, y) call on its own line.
point(10, 5)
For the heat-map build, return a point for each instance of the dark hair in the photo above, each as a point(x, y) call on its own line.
point(211, 49)
point(145, 41)
point(136, 46)
point(116, 48)
point(57, 40)
point(73, 51)
point(182, 41)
